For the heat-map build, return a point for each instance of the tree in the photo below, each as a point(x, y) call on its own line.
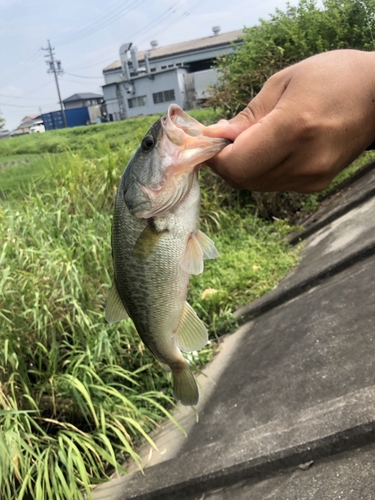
point(2, 122)
point(288, 37)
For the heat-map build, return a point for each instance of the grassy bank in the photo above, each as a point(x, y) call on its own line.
point(78, 395)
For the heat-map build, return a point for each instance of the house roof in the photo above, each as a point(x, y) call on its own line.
point(29, 121)
point(30, 117)
point(179, 48)
point(82, 96)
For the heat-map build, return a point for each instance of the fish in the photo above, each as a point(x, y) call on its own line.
point(157, 245)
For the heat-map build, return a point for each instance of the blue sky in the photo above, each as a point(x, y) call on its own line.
point(87, 35)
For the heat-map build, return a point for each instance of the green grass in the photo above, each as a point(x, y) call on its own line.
point(363, 160)
point(77, 395)
point(18, 172)
point(91, 140)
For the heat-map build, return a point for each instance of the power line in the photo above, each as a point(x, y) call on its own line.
point(82, 83)
point(108, 51)
point(81, 76)
point(165, 14)
point(16, 105)
point(102, 23)
point(28, 98)
point(66, 39)
point(134, 35)
point(22, 71)
point(169, 12)
point(179, 19)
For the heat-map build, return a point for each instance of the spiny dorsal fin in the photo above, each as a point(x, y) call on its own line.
point(199, 247)
point(147, 241)
point(191, 333)
point(114, 309)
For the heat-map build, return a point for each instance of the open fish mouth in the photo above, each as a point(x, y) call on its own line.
point(183, 148)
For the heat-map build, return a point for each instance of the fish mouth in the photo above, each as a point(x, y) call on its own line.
point(184, 131)
point(183, 148)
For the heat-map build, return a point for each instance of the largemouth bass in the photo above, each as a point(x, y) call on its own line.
point(156, 243)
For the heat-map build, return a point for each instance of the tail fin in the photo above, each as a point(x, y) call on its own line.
point(185, 388)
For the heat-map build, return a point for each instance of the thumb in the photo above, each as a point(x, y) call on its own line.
point(229, 129)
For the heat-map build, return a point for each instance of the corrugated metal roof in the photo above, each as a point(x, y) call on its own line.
point(179, 48)
point(83, 95)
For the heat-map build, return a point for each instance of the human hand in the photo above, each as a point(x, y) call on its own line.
point(309, 122)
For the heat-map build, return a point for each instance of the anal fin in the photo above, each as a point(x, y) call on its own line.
point(191, 333)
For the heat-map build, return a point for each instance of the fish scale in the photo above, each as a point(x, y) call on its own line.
point(159, 279)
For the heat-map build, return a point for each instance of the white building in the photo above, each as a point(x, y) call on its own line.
point(144, 83)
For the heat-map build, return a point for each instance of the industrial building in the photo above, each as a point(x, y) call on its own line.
point(145, 82)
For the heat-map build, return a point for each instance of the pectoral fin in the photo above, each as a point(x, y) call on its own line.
point(199, 247)
point(191, 333)
point(114, 309)
point(207, 246)
point(147, 241)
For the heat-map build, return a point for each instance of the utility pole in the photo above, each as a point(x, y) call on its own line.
point(55, 68)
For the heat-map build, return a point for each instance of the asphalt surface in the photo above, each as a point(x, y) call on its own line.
point(287, 408)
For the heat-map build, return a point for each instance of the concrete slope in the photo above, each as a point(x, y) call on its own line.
point(295, 385)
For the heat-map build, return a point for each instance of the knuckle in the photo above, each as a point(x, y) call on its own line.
point(306, 126)
point(322, 168)
point(248, 112)
point(275, 79)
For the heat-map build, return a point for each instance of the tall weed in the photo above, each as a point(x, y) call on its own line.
point(78, 395)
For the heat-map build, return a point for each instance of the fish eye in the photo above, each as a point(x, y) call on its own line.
point(148, 143)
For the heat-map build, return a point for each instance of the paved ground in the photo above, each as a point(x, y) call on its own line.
point(287, 409)
point(349, 475)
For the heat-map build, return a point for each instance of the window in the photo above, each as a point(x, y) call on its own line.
point(170, 65)
point(164, 67)
point(136, 102)
point(153, 70)
point(165, 96)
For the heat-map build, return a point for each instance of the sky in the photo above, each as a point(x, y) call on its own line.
point(86, 36)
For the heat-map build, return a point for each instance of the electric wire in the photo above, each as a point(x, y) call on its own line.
point(82, 76)
point(179, 19)
point(24, 70)
point(134, 35)
point(99, 25)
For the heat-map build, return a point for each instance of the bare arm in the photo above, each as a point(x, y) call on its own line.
point(309, 122)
